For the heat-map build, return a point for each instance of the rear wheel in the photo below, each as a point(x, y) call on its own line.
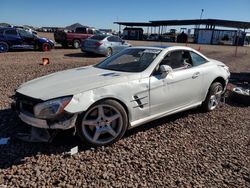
point(46, 47)
point(76, 44)
point(4, 47)
point(109, 52)
point(213, 97)
point(103, 124)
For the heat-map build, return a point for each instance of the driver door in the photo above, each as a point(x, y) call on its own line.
point(28, 39)
point(178, 89)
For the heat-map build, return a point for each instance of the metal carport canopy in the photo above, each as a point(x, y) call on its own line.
point(214, 22)
point(141, 24)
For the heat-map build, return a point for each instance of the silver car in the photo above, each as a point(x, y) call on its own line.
point(104, 44)
point(126, 90)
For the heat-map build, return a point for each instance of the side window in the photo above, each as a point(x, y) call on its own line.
point(197, 59)
point(173, 59)
point(118, 39)
point(11, 32)
point(90, 31)
point(177, 60)
point(81, 30)
point(111, 39)
point(25, 34)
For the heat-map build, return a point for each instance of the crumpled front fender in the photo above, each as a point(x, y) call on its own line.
point(82, 101)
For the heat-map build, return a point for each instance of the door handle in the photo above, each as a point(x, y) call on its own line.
point(195, 75)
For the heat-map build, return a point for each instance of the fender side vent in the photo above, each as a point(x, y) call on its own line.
point(140, 104)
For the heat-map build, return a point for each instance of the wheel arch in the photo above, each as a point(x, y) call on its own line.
point(221, 80)
point(218, 79)
point(114, 99)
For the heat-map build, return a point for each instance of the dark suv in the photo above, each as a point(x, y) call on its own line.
point(14, 38)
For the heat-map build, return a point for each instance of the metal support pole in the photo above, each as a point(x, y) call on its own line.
point(119, 30)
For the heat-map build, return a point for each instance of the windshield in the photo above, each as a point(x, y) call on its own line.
point(130, 60)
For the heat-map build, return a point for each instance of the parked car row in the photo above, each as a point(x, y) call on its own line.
point(16, 38)
point(88, 39)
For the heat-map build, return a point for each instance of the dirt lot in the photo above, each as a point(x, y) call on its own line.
point(189, 149)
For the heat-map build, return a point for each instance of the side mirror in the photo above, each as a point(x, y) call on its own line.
point(165, 70)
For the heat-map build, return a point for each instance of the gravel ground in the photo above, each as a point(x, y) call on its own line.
point(189, 149)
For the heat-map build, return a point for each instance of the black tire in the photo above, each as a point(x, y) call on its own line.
point(46, 47)
point(76, 44)
point(211, 92)
point(123, 127)
point(4, 47)
point(109, 52)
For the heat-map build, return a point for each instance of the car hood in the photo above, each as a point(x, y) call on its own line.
point(43, 40)
point(72, 81)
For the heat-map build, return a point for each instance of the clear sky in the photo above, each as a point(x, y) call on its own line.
point(102, 14)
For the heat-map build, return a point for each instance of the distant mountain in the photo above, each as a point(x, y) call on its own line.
point(5, 25)
point(74, 26)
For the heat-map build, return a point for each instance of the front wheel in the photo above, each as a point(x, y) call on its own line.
point(102, 124)
point(4, 47)
point(213, 97)
point(109, 52)
point(46, 47)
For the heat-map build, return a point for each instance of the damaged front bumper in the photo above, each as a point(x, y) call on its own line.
point(63, 122)
point(40, 123)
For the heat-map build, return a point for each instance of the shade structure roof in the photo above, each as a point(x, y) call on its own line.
point(141, 24)
point(213, 22)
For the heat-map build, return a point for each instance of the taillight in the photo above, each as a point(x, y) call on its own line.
point(98, 44)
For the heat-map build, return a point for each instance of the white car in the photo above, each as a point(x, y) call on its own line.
point(135, 86)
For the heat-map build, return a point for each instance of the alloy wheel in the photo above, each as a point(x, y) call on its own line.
point(109, 52)
point(215, 98)
point(102, 124)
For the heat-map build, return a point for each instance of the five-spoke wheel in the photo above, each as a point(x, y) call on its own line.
point(213, 97)
point(103, 124)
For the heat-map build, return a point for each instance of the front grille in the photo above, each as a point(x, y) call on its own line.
point(25, 103)
point(26, 107)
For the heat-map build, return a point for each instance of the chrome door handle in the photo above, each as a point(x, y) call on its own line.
point(195, 75)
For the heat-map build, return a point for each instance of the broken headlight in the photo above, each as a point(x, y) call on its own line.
point(50, 109)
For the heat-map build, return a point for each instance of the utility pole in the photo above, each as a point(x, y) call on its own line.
point(202, 10)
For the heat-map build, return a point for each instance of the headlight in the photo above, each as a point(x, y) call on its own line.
point(52, 108)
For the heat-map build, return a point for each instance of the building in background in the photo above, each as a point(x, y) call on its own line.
point(132, 33)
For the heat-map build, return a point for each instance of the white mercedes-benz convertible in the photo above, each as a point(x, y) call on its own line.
point(135, 86)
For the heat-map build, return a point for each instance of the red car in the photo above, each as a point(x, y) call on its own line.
point(74, 38)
